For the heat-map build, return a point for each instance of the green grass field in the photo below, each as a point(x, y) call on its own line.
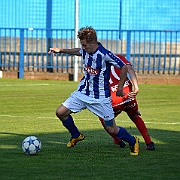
point(27, 107)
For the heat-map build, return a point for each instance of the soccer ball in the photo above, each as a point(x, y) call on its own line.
point(31, 145)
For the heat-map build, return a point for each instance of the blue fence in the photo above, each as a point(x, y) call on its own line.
point(147, 32)
point(150, 52)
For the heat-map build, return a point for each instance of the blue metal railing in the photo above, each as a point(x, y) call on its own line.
point(150, 52)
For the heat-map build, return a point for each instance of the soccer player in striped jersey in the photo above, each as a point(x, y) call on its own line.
point(93, 90)
point(127, 103)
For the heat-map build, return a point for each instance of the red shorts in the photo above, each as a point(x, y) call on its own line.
point(126, 104)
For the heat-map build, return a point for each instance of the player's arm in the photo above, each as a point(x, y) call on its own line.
point(123, 75)
point(73, 51)
point(134, 82)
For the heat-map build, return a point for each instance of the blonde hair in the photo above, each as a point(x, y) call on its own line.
point(87, 33)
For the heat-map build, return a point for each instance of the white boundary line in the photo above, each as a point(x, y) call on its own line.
point(39, 117)
point(27, 84)
point(43, 117)
point(9, 85)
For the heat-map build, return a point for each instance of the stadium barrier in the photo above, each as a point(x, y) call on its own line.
point(24, 52)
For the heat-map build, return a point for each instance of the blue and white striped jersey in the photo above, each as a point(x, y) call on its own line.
point(97, 68)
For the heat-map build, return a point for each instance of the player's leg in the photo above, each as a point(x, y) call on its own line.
point(63, 113)
point(132, 140)
point(118, 106)
point(105, 111)
point(134, 114)
point(140, 126)
point(122, 134)
point(143, 130)
point(116, 140)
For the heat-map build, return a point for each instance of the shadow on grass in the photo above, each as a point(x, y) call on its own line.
point(94, 158)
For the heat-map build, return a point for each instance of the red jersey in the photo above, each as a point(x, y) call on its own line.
point(115, 72)
point(114, 79)
point(121, 103)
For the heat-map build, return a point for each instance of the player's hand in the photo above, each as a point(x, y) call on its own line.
point(120, 92)
point(133, 94)
point(54, 51)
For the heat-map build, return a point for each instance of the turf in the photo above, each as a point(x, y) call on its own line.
point(27, 107)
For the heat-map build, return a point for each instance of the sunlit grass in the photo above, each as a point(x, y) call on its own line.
point(27, 107)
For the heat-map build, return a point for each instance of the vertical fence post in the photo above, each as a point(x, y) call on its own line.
point(120, 18)
point(21, 59)
point(48, 33)
point(75, 39)
point(128, 45)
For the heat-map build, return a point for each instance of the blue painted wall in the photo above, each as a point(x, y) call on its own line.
point(101, 14)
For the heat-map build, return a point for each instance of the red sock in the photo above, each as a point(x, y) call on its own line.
point(142, 129)
point(116, 140)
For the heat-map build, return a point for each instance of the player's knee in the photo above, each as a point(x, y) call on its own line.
point(111, 130)
point(111, 127)
point(58, 114)
point(62, 113)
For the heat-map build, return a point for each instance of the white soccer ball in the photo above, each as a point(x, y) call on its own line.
point(31, 145)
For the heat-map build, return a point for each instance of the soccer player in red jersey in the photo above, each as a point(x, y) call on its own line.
point(127, 103)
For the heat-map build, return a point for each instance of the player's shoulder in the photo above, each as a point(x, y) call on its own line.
point(102, 50)
point(123, 58)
